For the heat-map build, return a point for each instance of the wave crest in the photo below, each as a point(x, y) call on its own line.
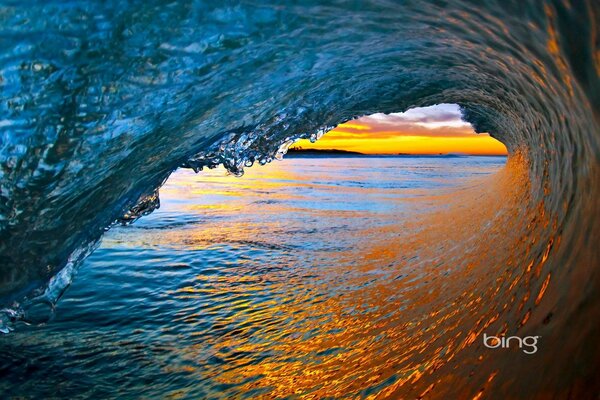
point(101, 102)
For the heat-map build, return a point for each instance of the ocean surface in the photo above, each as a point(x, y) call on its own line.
point(247, 287)
point(304, 285)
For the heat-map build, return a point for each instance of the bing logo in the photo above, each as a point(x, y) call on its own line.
point(527, 343)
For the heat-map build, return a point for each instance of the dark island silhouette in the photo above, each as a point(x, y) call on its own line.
point(301, 152)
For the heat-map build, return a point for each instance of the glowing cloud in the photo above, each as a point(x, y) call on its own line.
point(428, 130)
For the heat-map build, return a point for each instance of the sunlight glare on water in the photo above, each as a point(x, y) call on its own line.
point(237, 285)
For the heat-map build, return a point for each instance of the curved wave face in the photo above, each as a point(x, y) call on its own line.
point(101, 101)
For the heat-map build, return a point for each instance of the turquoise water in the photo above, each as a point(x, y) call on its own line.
point(227, 283)
point(103, 100)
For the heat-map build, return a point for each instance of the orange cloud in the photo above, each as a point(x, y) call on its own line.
point(431, 130)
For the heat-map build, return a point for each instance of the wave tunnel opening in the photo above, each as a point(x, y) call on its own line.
point(423, 131)
point(106, 102)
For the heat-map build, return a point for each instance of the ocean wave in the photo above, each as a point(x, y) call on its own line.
point(103, 100)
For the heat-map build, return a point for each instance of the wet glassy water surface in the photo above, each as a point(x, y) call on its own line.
point(291, 278)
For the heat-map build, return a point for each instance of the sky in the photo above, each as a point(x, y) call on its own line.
point(427, 130)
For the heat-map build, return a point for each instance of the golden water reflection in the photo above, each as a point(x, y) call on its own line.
point(390, 312)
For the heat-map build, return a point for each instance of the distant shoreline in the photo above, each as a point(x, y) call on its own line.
point(316, 153)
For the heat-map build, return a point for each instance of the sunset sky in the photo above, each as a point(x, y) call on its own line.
point(429, 130)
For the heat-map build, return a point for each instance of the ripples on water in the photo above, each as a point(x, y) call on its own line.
point(310, 288)
point(102, 101)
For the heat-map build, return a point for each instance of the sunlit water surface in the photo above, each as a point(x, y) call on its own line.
point(235, 285)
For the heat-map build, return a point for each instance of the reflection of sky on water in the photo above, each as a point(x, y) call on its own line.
point(316, 275)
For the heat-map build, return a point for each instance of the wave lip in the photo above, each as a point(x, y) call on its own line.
point(101, 103)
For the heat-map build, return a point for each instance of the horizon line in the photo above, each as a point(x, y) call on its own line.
point(357, 153)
